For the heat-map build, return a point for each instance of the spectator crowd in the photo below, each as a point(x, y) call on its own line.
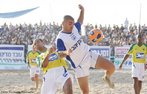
point(25, 33)
point(118, 35)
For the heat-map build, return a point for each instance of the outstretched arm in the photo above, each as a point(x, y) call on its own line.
point(125, 58)
point(81, 16)
point(63, 54)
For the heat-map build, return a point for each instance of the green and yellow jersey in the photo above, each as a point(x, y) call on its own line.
point(31, 58)
point(138, 53)
point(54, 61)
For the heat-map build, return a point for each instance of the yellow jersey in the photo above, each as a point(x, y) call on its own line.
point(31, 58)
point(53, 61)
point(138, 53)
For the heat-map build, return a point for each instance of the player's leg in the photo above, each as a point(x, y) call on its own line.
point(67, 88)
point(32, 75)
point(63, 80)
point(109, 68)
point(83, 83)
point(141, 73)
point(48, 84)
point(135, 75)
point(136, 85)
point(138, 76)
point(36, 81)
point(140, 86)
point(37, 72)
point(82, 73)
point(106, 65)
point(48, 88)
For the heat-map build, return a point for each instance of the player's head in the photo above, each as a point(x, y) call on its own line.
point(34, 47)
point(38, 43)
point(140, 38)
point(68, 22)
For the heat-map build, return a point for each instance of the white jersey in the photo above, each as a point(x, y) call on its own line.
point(73, 41)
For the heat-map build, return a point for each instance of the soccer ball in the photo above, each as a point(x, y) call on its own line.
point(95, 36)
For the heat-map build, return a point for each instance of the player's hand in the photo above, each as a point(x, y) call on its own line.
point(62, 55)
point(81, 7)
point(69, 52)
point(51, 49)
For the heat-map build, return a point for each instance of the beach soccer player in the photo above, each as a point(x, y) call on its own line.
point(55, 75)
point(81, 58)
point(34, 69)
point(138, 52)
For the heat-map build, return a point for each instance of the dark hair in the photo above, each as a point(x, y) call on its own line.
point(36, 41)
point(68, 17)
point(139, 36)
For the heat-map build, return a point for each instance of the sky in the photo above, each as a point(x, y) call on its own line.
point(96, 11)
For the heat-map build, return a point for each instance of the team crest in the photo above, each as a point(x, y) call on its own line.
point(73, 37)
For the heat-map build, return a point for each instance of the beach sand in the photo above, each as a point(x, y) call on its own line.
point(18, 82)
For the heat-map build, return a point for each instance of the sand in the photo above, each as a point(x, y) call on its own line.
point(18, 82)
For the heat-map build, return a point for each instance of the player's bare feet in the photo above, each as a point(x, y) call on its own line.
point(107, 80)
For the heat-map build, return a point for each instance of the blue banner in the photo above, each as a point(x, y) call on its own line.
point(16, 13)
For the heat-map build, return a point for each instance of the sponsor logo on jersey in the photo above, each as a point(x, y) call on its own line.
point(33, 60)
point(139, 55)
point(53, 57)
point(76, 45)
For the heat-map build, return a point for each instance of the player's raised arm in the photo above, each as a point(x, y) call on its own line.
point(81, 16)
point(45, 61)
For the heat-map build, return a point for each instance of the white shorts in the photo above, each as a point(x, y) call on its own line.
point(34, 70)
point(138, 71)
point(54, 80)
point(89, 61)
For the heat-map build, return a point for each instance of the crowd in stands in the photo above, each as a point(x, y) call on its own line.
point(119, 35)
point(25, 33)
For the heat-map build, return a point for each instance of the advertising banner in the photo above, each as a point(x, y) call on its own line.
point(120, 52)
point(12, 57)
point(101, 50)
